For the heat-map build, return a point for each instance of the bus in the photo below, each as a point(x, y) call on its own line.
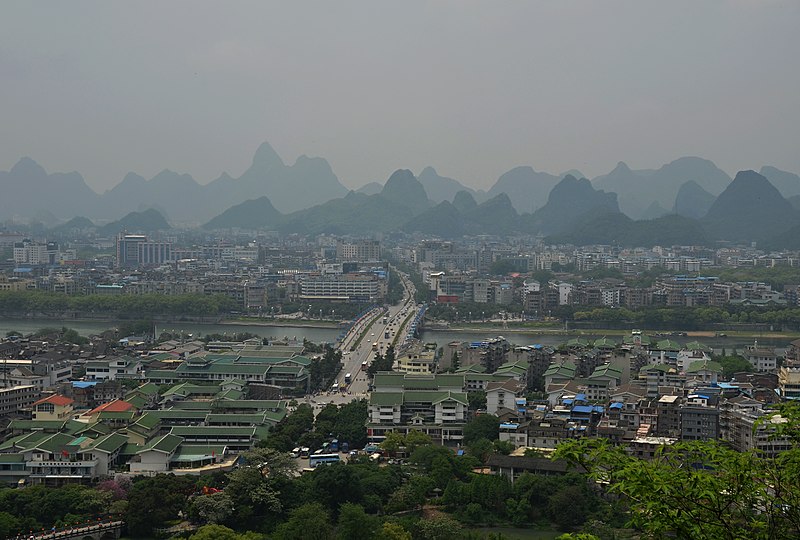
point(347, 378)
point(304, 451)
point(322, 459)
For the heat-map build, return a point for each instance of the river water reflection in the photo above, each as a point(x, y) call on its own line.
point(318, 335)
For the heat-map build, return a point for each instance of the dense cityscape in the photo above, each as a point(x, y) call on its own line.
point(399, 270)
point(646, 349)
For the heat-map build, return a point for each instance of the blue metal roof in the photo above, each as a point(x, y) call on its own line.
point(580, 397)
point(616, 405)
point(83, 384)
point(582, 409)
point(509, 425)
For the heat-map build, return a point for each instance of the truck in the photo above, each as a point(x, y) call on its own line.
point(347, 378)
point(386, 335)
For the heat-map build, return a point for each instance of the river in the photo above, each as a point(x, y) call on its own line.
point(319, 335)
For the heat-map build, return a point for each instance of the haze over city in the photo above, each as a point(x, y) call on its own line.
point(470, 88)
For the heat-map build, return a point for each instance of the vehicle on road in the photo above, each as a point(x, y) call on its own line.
point(347, 378)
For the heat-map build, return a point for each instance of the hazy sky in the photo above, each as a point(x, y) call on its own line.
point(471, 88)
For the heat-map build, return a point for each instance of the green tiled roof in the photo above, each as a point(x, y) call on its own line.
point(696, 346)
point(54, 443)
point(706, 365)
point(162, 374)
point(254, 404)
point(137, 401)
point(606, 370)
point(605, 343)
point(385, 399)
point(274, 417)
point(460, 397)
point(148, 389)
point(110, 443)
point(188, 389)
point(234, 370)
point(562, 370)
point(130, 449)
point(25, 441)
point(181, 414)
point(34, 425)
point(660, 367)
point(667, 345)
point(166, 444)
point(12, 458)
point(148, 420)
point(473, 368)
point(190, 431)
point(231, 394)
point(643, 339)
point(193, 405)
point(251, 419)
point(116, 415)
point(96, 427)
point(429, 397)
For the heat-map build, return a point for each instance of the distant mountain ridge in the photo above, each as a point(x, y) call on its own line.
point(750, 209)
point(638, 189)
point(307, 197)
point(307, 182)
point(570, 199)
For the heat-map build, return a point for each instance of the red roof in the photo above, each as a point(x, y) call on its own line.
point(55, 399)
point(117, 405)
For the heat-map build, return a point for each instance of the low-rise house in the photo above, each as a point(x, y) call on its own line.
point(54, 407)
point(763, 359)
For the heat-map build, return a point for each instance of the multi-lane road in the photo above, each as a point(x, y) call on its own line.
point(374, 331)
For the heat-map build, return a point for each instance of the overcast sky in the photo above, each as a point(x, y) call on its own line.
point(471, 88)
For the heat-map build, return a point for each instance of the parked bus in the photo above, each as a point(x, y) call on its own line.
point(322, 459)
point(347, 378)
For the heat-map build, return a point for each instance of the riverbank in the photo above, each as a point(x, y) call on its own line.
point(500, 329)
point(305, 323)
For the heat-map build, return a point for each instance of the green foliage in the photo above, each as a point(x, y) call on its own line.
point(323, 370)
point(700, 490)
point(382, 362)
point(286, 434)
point(477, 400)
point(503, 447)
point(355, 524)
point(483, 426)
point(480, 448)
point(393, 531)
point(350, 425)
point(215, 532)
point(308, 521)
point(438, 528)
point(123, 306)
point(733, 364)
point(213, 508)
point(154, 501)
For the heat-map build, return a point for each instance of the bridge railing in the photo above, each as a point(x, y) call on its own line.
point(72, 531)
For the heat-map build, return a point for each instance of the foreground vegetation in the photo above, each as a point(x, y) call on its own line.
point(698, 490)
